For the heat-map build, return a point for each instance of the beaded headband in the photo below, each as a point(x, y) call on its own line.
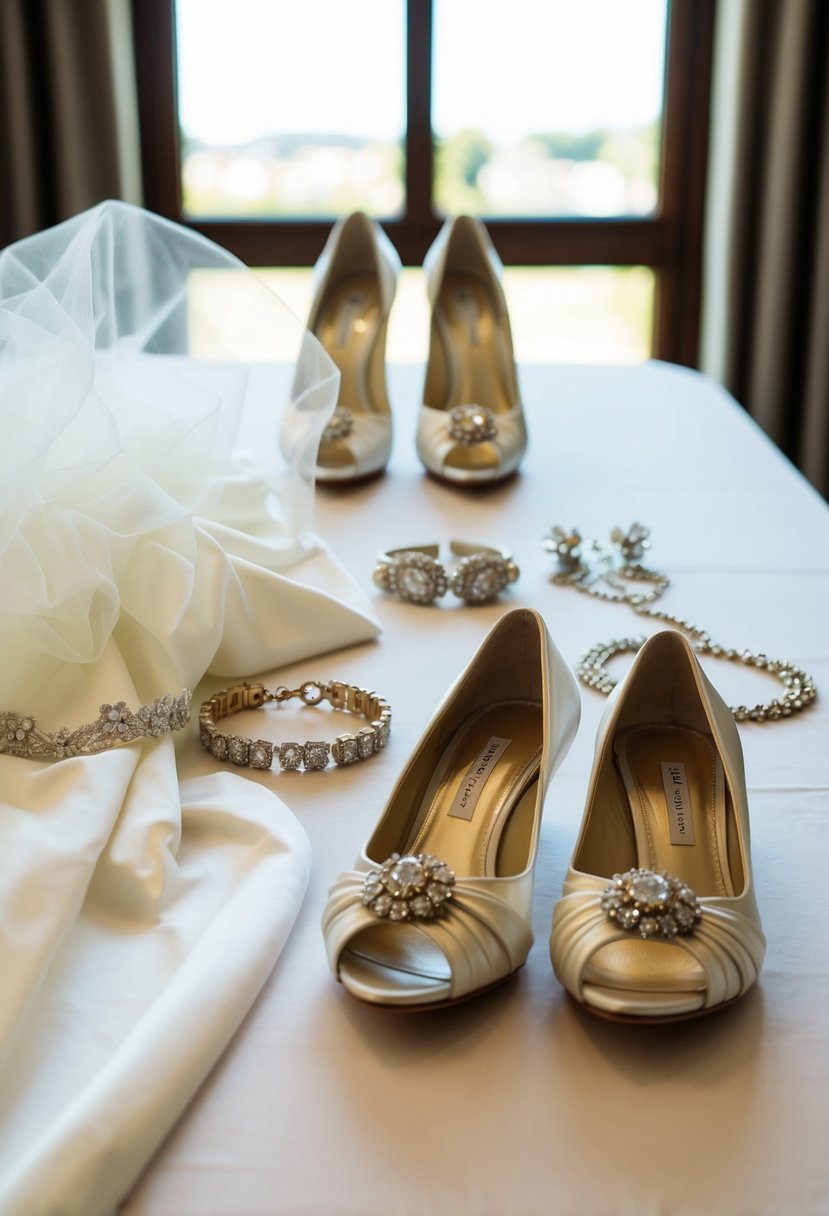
point(21, 736)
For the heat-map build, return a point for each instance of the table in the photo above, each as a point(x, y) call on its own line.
point(519, 1102)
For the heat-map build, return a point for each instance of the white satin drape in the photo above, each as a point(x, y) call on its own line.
point(140, 550)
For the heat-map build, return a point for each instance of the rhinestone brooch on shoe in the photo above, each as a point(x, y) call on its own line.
point(650, 904)
point(339, 425)
point(470, 424)
point(414, 887)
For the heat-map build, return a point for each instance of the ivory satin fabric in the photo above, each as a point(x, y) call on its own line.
point(141, 910)
point(518, 1103)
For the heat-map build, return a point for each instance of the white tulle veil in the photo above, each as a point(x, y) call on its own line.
point(144, 377)
point(151, 533)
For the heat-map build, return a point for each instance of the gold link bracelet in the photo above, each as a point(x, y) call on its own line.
point(313, 755)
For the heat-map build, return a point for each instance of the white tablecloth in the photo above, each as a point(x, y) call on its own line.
point(519, 1102)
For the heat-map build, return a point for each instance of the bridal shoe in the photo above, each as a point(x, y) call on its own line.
point(471, 428)
point(437, 907)
point(658, 921)
point(356, 276)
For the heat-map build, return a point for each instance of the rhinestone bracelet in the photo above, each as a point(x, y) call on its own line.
point(313, 755)
point(615, 575)
point(414, 573)
point(21, 736)
point(798, 693)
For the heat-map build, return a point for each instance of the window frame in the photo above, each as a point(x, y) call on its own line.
point(668, 242)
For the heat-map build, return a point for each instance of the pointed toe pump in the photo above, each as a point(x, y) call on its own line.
point(471, 428)
point(438, 905)
point(658, 921)
point(356, 276)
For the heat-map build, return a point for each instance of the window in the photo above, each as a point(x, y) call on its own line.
point(299, 128)
point(600, 165)
point(554, 122)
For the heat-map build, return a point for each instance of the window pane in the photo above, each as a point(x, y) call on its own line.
point(548, 109)
point(291, 109)
point(573, 314)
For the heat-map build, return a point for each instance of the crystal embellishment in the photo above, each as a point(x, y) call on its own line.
point(366, 737)
point(651, 904)
point(411, 887)
point(414, 584)
point(290, 756)
point(218, 746)
point(345, 750)
point(340, 425)
point(260, 754)
point(470, 424)
point(21, 736)
point(315, 755)
point(238, 749)
point(481, 576)
point(416, 577)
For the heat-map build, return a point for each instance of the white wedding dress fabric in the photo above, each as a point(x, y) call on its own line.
point(151, 534)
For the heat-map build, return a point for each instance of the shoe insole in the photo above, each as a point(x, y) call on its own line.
point(478, 811)
point(675, 784)
point(478, 815)
point(347, 327)
point(476, 354)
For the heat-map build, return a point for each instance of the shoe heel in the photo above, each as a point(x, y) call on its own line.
point(471, 429)
point(356, 279)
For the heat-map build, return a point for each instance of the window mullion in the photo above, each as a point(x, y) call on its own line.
point(419, 147)
point(668, 241)
point(684, 165)
point(155, 48)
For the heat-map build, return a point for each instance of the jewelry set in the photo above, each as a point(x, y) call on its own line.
point(613, 573)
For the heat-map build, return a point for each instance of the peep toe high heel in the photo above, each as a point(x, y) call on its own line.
point(659, 921)
point(471, 428)
point(356, 277)
point(438, 906)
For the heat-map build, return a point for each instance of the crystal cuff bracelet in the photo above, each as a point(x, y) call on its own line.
point(20, 735)
point(415, 574)
point(313, 754)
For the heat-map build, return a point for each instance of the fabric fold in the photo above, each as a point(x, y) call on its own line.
point(150, 534)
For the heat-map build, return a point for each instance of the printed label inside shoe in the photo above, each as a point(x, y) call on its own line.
point(476, 777)
point(349, 315)
point(678, 802)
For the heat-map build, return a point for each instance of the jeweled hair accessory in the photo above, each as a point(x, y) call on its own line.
point(313, 754)
point(615, 573)
point(21, 736)
point(415, 574)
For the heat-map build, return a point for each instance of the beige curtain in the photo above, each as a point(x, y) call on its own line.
point(765, 332)
point(69, 133)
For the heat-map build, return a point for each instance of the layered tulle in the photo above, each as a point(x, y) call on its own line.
point(151, 532)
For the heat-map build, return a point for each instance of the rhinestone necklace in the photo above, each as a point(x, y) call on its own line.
point(606, 573)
